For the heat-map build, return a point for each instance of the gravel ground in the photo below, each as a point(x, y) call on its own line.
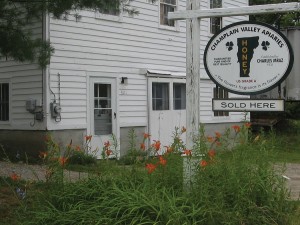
point(37, 173)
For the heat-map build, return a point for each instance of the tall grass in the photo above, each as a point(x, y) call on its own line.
point(236, 185)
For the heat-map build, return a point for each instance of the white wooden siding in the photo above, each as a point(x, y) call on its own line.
point(107, 47)
point(122, 49)
point(118, 48)
point(26, 82)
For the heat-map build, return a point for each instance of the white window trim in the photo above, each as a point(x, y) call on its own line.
point(165, 27)
point(9, 102)
point(170, 81)
point(169, 97)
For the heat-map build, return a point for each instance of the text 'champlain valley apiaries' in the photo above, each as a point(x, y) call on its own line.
point(248, 57)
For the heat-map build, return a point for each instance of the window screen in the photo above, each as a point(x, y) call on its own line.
point(160, 96)
point(179, 96)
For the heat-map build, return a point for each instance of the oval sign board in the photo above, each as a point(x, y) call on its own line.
point(248, 57)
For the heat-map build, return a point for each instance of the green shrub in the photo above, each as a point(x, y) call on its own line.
point(135, 154)
point(81, 158)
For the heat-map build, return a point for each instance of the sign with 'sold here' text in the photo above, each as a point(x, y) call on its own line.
point(248, 58)
point(248, 105)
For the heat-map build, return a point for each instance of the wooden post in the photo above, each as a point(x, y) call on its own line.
point(192, 74)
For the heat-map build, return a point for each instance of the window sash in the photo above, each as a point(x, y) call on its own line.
point(215, 22)
point(4, 101)
point(215, 4)
point(160, 96)
point(179, 96)
point(167, 6)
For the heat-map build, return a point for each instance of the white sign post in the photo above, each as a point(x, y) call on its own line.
point(192, 74)
point(194, 14)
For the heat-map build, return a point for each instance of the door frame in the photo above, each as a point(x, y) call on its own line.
point(100, 77)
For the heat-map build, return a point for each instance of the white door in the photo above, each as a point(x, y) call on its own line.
point(167, 108)
point(103, 114)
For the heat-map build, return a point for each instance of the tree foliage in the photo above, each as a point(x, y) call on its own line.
point(279, 20)
point(16, 17)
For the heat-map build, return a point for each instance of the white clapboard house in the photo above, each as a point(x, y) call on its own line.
point(109, 73)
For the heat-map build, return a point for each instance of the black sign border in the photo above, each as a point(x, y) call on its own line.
point(287, 72)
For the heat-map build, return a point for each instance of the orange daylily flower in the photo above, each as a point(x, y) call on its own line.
point(211, 153)
point(218, 134)
point(236, 128)
point(210, 139)
point(108, 152)
point(187, 152)
point(143, 146)
point(247, 125)
point(218, 143)
point(203, 163)
point(78, 148)
point(62, 160)
point(162, 161)
point(106, 144)
point(150, 167)
point(156, 145)
point(183, 129)
point(146, 135)
point(15, 177)
point(88, 138)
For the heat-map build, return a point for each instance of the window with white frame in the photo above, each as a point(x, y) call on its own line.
point(4, 101)
point(220, 93)
point(215, 22)
point(160, 96)
point(167, 6)
point(179, 96)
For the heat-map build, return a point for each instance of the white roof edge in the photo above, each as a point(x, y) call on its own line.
point(165, 73)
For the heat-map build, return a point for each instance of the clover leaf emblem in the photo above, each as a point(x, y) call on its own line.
point(265, 45)
point(229, 45)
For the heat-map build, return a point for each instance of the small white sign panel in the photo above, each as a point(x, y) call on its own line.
point(248, 57)
point(242, 105)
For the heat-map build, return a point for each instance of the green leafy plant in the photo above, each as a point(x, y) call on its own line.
point(135, 154)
